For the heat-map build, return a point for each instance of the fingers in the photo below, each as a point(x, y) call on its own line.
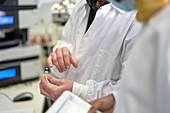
point(55, 61)
point(49, 61)
point(96, 104)
point(108, 111)
point(48, 87)
point(60, 59)
point(66, 55)
point(92, 110)
point(74, 61)
point(55, 81)
point(43, 91)
point(46, 93)
point(104, 104)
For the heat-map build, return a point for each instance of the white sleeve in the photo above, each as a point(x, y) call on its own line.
point(93, 90)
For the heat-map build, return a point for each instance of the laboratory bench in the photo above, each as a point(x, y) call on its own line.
point(35, 105)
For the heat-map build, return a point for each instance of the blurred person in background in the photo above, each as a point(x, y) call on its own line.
point(145, 85)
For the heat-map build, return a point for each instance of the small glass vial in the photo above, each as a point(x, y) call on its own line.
point(46, 75)
point(46, 71)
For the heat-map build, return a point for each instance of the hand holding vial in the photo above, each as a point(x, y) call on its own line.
point(52, 87)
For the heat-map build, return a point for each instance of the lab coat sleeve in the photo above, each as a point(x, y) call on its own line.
point(92, 89)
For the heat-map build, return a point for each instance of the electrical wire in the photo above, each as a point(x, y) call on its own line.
point(6, 96)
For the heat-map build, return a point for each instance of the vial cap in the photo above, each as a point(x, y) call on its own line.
point(46, 69)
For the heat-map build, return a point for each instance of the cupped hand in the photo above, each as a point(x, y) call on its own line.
point(62, 59)
point(53, 92)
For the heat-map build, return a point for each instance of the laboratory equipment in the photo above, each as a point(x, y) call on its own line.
point(15, 21)
point(19, 61)
point(61, 10)
point(19, 64)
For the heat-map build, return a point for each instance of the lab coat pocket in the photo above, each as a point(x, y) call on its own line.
point(106, 67)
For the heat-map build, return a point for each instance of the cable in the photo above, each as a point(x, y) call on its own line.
point(6, 96)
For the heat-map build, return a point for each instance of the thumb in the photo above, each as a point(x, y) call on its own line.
point(92, 110)
point(54, 81)
point(95, 105)
point(74, 61)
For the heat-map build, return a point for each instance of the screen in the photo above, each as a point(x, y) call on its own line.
point(69, 103)
point(9, 73)
point(72, 105)
point(6, 20)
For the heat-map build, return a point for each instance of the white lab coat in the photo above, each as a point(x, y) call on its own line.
point(145, 84)
point(101, 51)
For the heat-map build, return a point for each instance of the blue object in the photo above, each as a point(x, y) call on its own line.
point(6, 20)
point(68, 98)
point(46, 69)
point(126, 5)
point(9, 73)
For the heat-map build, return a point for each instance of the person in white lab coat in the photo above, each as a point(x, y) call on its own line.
point(145, 86)
point(97, 53)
